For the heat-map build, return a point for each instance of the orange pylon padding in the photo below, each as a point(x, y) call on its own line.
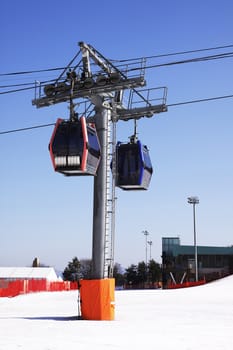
point(98, 299)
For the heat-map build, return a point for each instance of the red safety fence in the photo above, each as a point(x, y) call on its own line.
point(14, 288)
point(186, 284)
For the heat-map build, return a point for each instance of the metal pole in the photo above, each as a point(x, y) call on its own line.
point(99, 217)
point(195, 242)
point(146, 234)
point(150, 244)
point(194, 201)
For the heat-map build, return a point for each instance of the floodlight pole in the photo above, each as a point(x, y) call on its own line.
point(150, 244)
point(194, 201)
point(146, 234)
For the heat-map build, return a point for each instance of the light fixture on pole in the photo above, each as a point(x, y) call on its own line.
point(150, 244)
point(146, 234)
point(194, 201)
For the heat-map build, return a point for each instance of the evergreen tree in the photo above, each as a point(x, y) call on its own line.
point(154, 271)
point(118, 275)
point(73, 271)
point(141, 272)
point(138, 275)
point(85, 268)
point(131, 275)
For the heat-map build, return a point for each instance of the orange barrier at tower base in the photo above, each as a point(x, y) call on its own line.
point(98, 299)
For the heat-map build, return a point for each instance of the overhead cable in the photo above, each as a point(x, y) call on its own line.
point(123, 60)
point(200, 100)
point(31, 71)
point(191, 60)
point(168, 105)
point(177, 53)
point(26, 129)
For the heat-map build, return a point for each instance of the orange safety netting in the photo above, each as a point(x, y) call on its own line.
point(14, 288)
point(186, 284)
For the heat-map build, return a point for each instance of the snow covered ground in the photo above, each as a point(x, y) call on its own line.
point(192, 318)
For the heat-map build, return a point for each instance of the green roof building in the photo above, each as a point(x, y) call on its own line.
point(179, 261)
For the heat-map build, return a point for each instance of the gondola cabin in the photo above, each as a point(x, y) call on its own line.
point(133, 166)
point(74, 148)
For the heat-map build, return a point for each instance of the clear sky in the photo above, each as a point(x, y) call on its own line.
point(47, 215)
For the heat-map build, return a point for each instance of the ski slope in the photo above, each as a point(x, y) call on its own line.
point(192, 318)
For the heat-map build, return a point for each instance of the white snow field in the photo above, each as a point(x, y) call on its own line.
point(192, 318)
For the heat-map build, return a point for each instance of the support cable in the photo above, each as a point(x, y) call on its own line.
point(26, 129)
point(124, 60)
point(176, 53)
point(191, 60)
point(168, 105)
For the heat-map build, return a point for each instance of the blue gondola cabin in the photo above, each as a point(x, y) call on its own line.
point(133, 166)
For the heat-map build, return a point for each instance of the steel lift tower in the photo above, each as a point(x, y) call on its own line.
point(100, 84)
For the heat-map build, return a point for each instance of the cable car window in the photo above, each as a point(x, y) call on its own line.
point(75, 140)
point(60, 141)
point(147, 160)
point(133, 163)
point(93, 141)
point(128, 164)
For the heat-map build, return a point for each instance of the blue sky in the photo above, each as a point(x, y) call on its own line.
point(47, 215)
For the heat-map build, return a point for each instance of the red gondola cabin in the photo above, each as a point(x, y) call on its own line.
point(74, 148)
